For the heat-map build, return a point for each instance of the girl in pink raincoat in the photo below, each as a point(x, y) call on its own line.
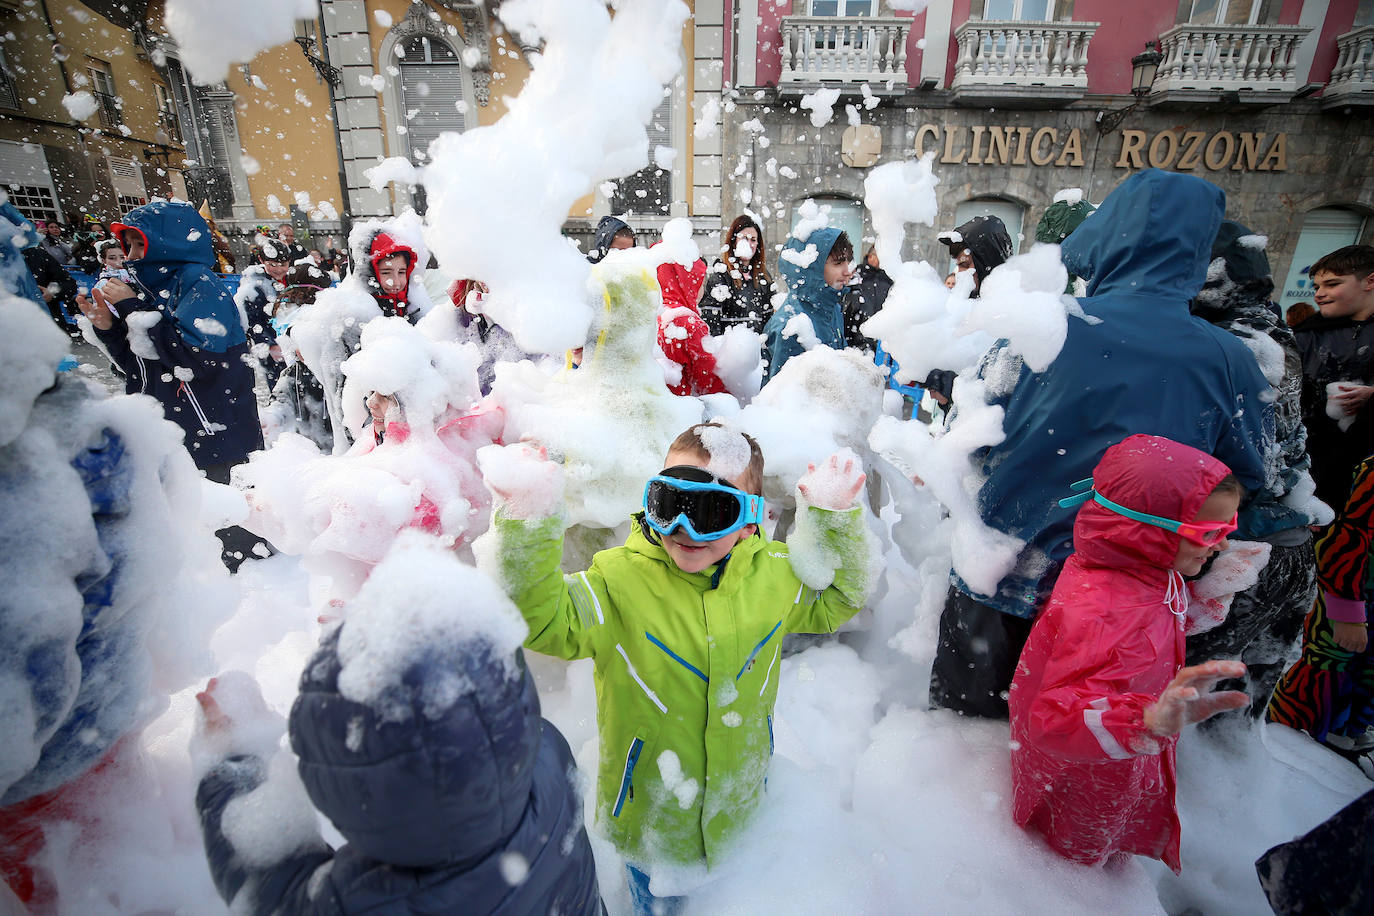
point(1100, 692)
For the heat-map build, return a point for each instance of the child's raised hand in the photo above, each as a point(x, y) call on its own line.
point(1188, 699)
point(835, 484)
point(523, 478)
point(234, 719)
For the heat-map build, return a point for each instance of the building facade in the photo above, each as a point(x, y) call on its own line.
point(1019, 99)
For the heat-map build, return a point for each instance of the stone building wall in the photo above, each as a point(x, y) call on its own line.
point(1275, 164)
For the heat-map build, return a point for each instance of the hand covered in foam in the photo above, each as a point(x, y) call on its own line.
point(521, 476)
point(1189, 699)
point(835, 484)
point(234, 719)
point(1234, 570)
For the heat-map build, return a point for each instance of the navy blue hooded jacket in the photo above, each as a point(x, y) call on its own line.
point(435, 808)
point(1139, 363)
point(807, 294)
point(604, 235)
point(199, 376)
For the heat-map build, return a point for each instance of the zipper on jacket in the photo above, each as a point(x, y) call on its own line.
point(675, 657)
point(749, 662)
point(627, 792)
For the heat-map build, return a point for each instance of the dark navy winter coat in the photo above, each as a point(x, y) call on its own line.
point(199, 374)
point(440, 811)
point(1139, 363)
point(807, 294)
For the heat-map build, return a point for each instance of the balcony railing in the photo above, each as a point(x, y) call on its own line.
point(1352, 79)
point(108, 107)
point(845, 49)
point(1029, 58)
point(1229, 58)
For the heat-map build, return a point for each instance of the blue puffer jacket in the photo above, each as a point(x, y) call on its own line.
point(438, 812)
point(15, 275)
point(87, 689)
point(199, 374)
point(807, 295)
point(1140, 363)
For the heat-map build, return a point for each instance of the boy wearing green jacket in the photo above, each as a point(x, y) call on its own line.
point(685, 623)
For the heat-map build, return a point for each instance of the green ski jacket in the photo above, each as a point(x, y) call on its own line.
point(686, 669)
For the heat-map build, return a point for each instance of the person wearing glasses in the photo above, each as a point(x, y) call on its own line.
point(685, 624)
point(1101, 691)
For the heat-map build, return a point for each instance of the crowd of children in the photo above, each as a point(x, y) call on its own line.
point(1084, 646)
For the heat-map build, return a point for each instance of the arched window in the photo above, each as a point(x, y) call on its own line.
point(845, 214)
point(650, 190)
point(1009, 212)
point(1323, 231)
point(431, 93)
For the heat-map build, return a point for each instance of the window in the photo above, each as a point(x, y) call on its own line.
point(1020, 10)
point(431, 92)
point(1224, 12)
point(650, 190)
point(33, 201)
point(167, 113)
point(1323, 231)
point(842, 7)
point(25, 176)
point(9, 96)
point(845, 214)
point(127, 203)
point(1009, 212)
point(103, 88)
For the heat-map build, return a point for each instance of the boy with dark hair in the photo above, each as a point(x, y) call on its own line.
point(815, 270)
point(1337, 349)
point(685, 624)
point(612, 234)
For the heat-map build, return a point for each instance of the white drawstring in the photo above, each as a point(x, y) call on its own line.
point(1175, 595)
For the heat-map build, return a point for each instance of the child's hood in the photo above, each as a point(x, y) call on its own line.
point(1149, 474)
point(808, 282)
point(174, 234)
point(1152, 236)
point(430, 789)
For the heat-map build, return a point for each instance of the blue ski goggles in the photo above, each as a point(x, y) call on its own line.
point(705, 507)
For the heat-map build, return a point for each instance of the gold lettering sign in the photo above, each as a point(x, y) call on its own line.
point(1184, 151)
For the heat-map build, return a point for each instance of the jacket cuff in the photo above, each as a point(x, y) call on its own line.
point(1345, 610)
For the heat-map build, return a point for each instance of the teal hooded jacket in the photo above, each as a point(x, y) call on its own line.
point(807, 295)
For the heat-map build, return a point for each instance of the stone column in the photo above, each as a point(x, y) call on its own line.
point(359, 113)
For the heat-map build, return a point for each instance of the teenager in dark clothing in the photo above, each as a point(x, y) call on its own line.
point(979, 245)
point(612, 233)
point(259, 288)
point(1145, 255)
point(738, 289)
point(1337, 349)
point(1265, 619)
point(863, 297)
point(56, 285)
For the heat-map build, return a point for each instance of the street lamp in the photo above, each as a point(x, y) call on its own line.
point(1144, 67)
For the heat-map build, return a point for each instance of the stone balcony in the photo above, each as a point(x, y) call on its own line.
point(1019, 61)
point(844, 50)
point(1352, 79)
point(1246, 63)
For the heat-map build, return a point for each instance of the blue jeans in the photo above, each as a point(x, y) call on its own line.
point(645, 903)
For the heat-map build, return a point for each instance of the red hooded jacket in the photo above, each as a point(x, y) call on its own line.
point(393, 302)
point(1086, 774)
point(681, 330)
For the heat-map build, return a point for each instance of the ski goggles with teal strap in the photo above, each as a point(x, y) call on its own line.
point(705, 507)
point(1204, 534)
